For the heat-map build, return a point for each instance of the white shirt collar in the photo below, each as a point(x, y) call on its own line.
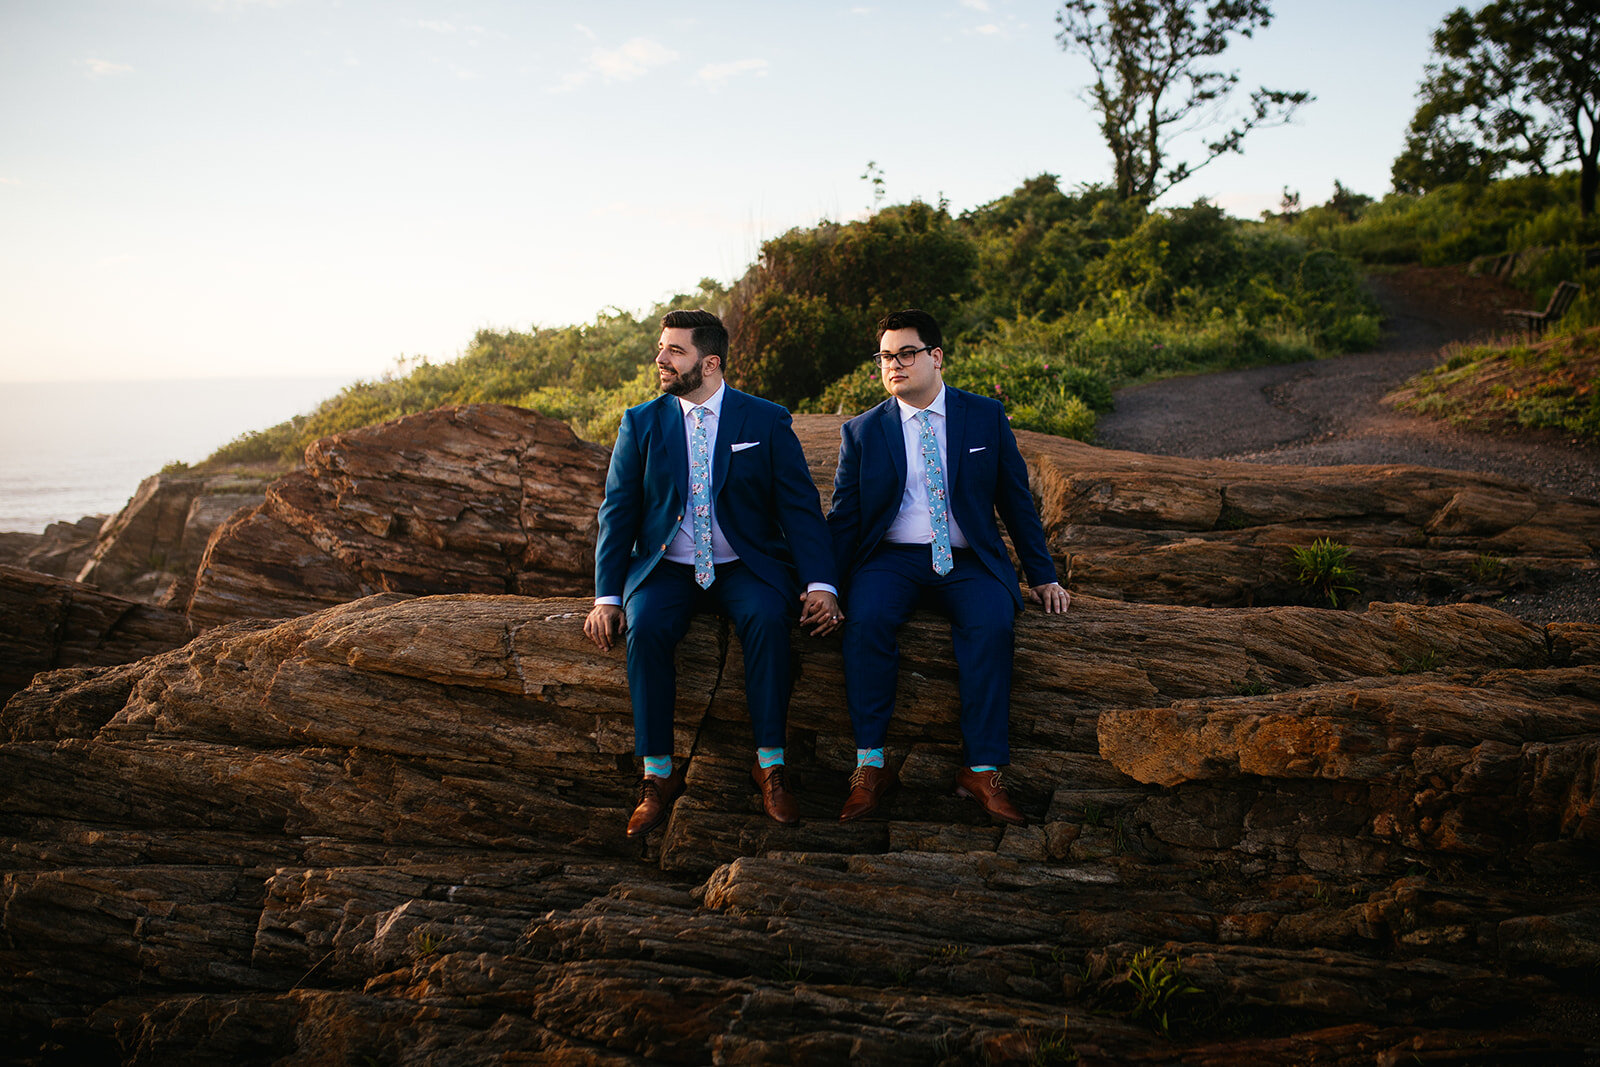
point(907, 412)
point(713, 403)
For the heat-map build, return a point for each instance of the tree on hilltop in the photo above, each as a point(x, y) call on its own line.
point(1516, 83)
point(1152, 81)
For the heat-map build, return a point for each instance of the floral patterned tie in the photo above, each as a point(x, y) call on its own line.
point(938, 506)
point(700, 500)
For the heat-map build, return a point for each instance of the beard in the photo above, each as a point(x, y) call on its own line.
point(687, 382)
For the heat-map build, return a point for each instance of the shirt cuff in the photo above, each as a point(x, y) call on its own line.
point(614, 601)
point(824, 586)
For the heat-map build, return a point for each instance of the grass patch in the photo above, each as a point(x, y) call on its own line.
point(1324, 568)
point(1515, 385)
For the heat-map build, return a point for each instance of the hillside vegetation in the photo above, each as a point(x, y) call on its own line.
point(1051, 300)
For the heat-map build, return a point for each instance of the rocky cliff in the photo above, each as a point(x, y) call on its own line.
point(346, 824)
point(477, 498)
point(391, 831)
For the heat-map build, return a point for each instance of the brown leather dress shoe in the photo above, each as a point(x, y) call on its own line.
point(868, 786)
point(985, 788)
point(775, 796)
point(655, 802)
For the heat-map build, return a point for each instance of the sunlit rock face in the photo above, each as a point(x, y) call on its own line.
point(482, 498)
point(394, 829)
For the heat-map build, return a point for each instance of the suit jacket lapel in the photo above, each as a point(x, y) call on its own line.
point(670, 419)
point(955, 437)
point(730, 424)
point(895, 441)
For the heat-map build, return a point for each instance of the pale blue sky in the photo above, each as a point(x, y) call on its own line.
point(198, 188)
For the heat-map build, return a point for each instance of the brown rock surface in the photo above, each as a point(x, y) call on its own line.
point(61, 550)
point(47, 623)
point(477, 498)
point(150, 549)
point(392, 830)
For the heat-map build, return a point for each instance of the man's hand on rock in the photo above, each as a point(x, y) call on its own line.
point(603, 625)
point(821, 609)
point(1054, 598)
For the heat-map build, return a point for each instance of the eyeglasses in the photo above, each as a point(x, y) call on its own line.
point(903, 358)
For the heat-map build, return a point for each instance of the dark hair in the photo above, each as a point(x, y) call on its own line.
point(912, 319)
point(709, 336)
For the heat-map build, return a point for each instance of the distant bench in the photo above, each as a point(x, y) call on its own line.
point(1560, 301)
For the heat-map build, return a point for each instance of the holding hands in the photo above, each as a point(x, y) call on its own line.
point(820, 608)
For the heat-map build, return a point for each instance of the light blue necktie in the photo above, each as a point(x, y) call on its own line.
point(938, 505)
point(700, 500)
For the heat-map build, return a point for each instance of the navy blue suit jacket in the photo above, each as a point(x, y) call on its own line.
point(762, 495)
point(985, 473)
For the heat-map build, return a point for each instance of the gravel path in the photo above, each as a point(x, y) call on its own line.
point(1330, 411)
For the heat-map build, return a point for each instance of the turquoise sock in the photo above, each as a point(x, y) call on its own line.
point(770, 757)
point(984, 767)
point(658, 766)
point(869, 757)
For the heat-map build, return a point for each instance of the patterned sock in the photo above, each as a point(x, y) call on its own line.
point(980, 769)
point(770, 757)
point(869, 757)
point(658, 766)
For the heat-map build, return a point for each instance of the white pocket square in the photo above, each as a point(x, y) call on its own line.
point(980, 448)
point(742, 445)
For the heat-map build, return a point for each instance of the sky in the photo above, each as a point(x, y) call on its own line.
point(275, 188)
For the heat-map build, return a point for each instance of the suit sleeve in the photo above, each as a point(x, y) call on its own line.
point(1014, 500)
point(620, 513)
point(799, 513)
point(844, 510)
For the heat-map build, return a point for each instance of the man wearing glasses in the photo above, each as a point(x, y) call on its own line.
point(709, 505)
point(920, 478)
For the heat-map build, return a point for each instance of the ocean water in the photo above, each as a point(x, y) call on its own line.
point(70, 449)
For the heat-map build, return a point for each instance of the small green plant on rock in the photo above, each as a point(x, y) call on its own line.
point(1325, 569)
point(1158, 985)
point(426, 943)
point(1486, 568)
point(791, 969)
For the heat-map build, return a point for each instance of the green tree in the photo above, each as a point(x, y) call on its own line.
point(803, 313)
point(1153, 80)
point(1516, 83)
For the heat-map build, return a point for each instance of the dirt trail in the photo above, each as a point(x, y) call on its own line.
point(1330, 411)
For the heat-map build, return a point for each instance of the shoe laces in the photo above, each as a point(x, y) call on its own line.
point(777, 778)
point(858, 780)
point(648, 786)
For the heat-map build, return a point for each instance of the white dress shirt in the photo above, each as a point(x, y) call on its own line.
point(914, 525)
point(681, 550)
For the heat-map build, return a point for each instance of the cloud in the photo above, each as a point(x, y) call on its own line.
point(988, 29)
point(714, 74)
point(976, 5)
point(635, 58)
point(861, 11)
point(434, 26)
point(10, 181)
point(586, 31)
point(101, 68)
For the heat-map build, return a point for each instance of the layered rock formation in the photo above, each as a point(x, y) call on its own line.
point(51, 623)
point(392, 831)
point(478, 498)
point(149, 550)
point(61, 550)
